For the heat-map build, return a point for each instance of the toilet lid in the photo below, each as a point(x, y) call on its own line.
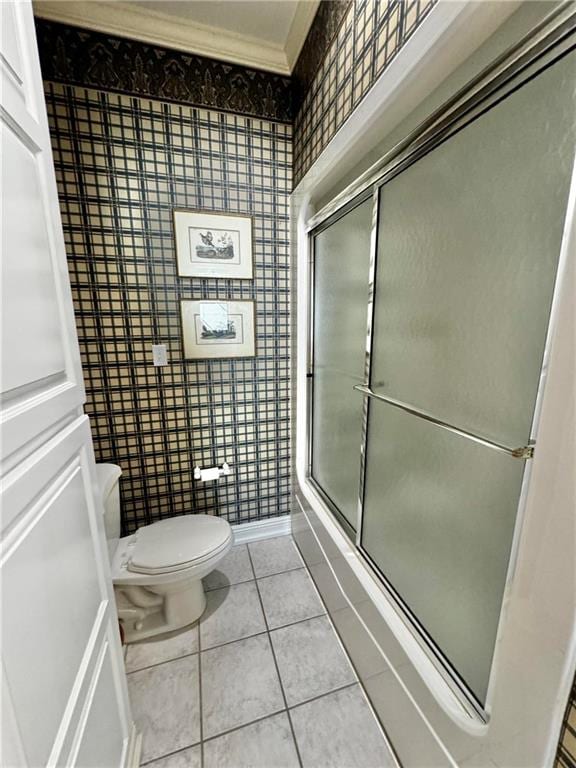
point(178, 542)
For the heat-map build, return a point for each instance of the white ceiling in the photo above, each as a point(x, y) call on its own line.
point(265, 20)
point(261, 33)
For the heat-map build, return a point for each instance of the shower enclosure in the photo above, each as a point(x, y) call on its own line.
point(432, 281)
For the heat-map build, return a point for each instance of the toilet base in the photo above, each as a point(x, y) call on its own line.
point(146, 611)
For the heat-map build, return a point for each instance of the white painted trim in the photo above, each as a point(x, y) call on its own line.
point(262, 529)
point(133, 753)
point(159, 28)
point(301, 23)
point(69, 730)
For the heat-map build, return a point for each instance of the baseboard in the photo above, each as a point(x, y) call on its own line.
point(262, 529)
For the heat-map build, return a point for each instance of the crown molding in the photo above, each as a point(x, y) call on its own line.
point(157, 28)
point(301, 23)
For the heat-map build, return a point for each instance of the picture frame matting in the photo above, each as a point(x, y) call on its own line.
point(213, 244)
point(214, 329)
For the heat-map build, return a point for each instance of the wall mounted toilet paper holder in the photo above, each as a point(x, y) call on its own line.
point(212, 473)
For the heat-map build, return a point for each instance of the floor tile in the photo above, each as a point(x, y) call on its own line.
point(310, 659)
point(340, 730)
point(231, 614)
point(186, 758)
point(233, 569)
point(289, 597)
point(265, 744)
point(140, 655)
point(239, 684)
point(274, 556)
point(166, 706)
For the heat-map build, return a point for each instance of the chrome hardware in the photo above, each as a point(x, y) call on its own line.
point(525, 452)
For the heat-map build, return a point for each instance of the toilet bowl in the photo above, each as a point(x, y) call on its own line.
point(158, 570)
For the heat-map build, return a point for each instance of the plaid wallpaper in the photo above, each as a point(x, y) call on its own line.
point(566, 755)
point(157, 130)
point(123, 163)
point(366, 35)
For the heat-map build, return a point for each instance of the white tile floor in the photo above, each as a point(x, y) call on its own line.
point(260, 682)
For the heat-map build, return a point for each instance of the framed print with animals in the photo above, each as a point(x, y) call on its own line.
point(213, 244)
point(217, 328)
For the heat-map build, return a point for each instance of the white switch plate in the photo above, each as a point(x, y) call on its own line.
point(159, 355)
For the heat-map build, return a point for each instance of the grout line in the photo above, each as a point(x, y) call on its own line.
point(323, 695)
point(385, 736)
point(262, 631)
point(253, 722)
point(280, 573)
point(169, 754)
point(287, 709)
point(247, 545)
point(230, 642)
point(256, 578)
point(278, 671)
point(159, 663)
point(237, 640)
point(293, 623)
point(245, 725)
point(227, 586)
point(277, 573)
point(359, 682)
point(302, 566)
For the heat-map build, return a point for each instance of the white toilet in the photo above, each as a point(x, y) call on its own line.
point(157, 571)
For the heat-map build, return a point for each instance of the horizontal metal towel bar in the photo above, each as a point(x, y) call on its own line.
point(526, 452)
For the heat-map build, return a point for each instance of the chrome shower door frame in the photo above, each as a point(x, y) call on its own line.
point(540, 49)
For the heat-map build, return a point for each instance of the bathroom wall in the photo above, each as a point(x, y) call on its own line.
point(349, 45)
point(137, 131)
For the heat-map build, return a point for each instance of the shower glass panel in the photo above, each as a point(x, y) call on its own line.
point(468, 245)
point(469, 239)
point(439, 521)
point(341, 265)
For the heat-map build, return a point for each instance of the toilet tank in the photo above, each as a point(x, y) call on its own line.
point(108, 477)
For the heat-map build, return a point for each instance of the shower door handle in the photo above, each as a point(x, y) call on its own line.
point(525, 452)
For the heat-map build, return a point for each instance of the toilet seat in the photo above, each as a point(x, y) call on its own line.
point(177, 544)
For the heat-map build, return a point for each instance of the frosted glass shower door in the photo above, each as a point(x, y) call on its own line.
point(468, 245)
point(341, 265)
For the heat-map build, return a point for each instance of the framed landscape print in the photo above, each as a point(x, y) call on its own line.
point(215, 328)
point(213, 244)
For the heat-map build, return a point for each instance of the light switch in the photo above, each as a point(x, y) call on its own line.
point(159, 354)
